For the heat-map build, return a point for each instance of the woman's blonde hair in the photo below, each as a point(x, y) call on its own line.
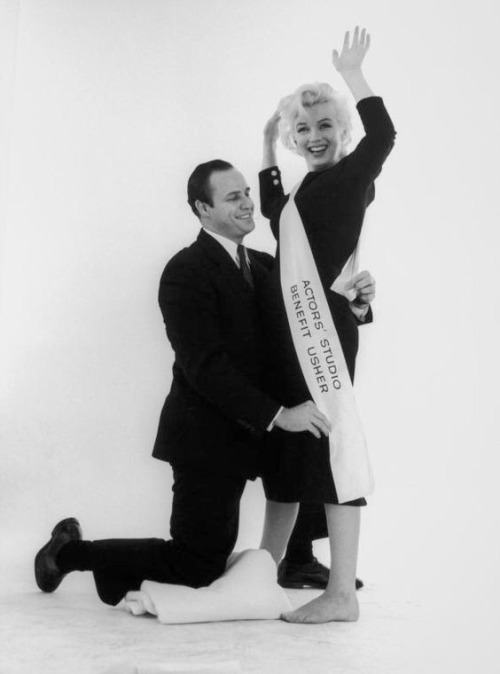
point(305, 97)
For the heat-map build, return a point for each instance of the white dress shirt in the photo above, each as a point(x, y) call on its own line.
point(230, 246)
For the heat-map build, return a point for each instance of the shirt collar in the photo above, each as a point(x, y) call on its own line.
point(230, 246)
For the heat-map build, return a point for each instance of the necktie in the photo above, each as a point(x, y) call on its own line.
point(244, 266)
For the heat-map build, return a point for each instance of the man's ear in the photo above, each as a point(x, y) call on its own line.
point(202, 208)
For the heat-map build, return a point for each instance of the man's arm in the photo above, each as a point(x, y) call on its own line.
point(190, 312)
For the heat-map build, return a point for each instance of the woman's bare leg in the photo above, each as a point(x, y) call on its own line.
point(339, 601)
point(278, 526)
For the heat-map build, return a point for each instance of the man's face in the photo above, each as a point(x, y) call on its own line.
point(232, 212)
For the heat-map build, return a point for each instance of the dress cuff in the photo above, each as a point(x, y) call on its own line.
point(360, 312)
point(272, 174)
point(370, 101)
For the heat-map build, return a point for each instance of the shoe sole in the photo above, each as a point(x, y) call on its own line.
point(309, 586)
point(290, 585)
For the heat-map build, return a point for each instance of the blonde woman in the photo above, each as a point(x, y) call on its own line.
point(315, 123)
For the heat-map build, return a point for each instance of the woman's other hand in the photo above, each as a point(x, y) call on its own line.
point(271, 132)
point(364, 285)
point(352, 54)
point(271, 128)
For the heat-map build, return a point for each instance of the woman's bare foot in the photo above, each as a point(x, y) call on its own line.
point(326, 608)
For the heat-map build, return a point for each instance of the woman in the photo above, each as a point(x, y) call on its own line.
point(331, 202)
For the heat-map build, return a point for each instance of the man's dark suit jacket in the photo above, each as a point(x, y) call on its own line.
point(216, 410)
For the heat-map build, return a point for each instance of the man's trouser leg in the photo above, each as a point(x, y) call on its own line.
point(310, 526)
point(204, 529)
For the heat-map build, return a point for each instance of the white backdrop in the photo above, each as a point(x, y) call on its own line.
point(107, 106)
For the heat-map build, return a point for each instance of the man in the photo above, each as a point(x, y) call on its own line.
point(215, 413)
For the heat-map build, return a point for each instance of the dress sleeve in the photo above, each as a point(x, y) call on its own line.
point(375, 146)
point(272, 196)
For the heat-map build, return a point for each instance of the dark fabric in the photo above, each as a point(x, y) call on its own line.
point(244, 266)
point(297, 469)
point(332, 205)
point(310, 526)
point(299, 552)
point(203, 526)
point(74, 556)
point(216, 410)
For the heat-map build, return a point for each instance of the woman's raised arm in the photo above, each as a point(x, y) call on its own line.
point(270, 139)
point(349, 61)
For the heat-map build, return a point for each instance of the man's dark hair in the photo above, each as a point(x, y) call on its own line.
point(198, 187)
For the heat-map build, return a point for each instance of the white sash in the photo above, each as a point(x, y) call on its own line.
point(321, 357)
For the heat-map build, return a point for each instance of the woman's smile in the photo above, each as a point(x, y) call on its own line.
point(318, 137)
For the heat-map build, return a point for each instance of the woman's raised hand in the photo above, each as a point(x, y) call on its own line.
point(271, 128)
point(352, 54)
point(270, 137)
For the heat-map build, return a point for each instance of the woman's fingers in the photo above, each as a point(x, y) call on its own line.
point(360, 40)
point(365, 283)
point(274, 117)
point(361, 280)
point(271, 127)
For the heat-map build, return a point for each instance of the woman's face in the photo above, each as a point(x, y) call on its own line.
point(318, 136)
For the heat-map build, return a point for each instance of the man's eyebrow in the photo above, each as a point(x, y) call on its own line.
point(234, 192)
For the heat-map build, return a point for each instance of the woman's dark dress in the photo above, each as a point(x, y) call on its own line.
point(332, 204)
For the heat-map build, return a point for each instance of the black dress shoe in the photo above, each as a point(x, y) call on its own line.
point(47, 575)
point(310, 575)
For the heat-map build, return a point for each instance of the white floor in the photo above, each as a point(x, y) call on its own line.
point(71, 631)
point(430, 605)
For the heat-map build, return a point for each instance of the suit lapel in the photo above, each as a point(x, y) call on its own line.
point(226, 267)
point(259, 270)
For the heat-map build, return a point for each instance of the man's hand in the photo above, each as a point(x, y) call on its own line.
point(304, 417)
point(364, 285)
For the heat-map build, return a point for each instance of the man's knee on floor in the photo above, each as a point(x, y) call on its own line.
point(208, 571)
